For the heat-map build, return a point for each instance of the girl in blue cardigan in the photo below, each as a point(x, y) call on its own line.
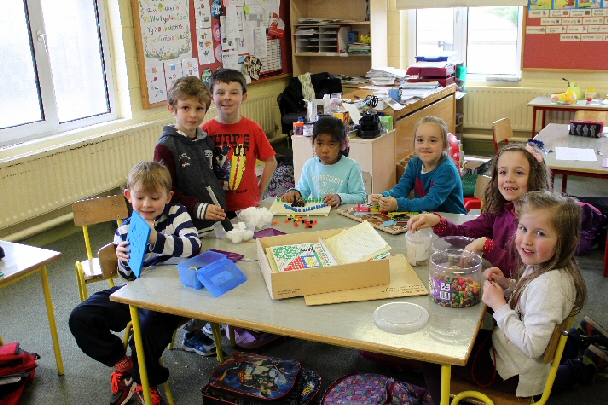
point(431, 174)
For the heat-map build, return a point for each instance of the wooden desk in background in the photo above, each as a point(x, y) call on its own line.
point(447, 339)
point(543, 104)
point(441, 103)
point(556, 135)
point(21, 261)
point(374, 156)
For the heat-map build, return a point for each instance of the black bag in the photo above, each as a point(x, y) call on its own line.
point(370, 125)
point(252, 379)
point(17, 368)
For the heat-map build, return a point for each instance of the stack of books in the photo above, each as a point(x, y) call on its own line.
point(359, 48)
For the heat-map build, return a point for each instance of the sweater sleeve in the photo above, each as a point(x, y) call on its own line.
point(546, 299)
point(356, 188)
point(305, 183)
point(183, 242)
point(164, 156)
point(443, 184)
point(405, 186)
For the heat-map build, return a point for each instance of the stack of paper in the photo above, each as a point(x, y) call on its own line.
point(359, 48)
point(357, 244)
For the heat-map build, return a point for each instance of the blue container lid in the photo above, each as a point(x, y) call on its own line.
point(220, 276)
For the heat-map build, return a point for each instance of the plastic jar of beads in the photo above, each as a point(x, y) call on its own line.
point(418, 246)
point(455, 278)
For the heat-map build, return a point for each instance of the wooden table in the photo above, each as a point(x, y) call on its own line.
point(447, 339)
point(543, 103)
point(21, 261)
point(440, 103)
point(555, 135)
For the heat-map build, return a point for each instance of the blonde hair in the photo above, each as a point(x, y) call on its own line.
point(565, 220)
point(152, 176)
point(539, 178)
point(189, 87)
point(437, 122)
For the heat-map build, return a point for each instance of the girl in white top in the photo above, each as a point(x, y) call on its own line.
point(548, 287)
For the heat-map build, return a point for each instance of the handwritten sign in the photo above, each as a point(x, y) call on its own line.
point(165, 28)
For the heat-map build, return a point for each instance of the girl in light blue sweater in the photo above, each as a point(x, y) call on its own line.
point(330, 174)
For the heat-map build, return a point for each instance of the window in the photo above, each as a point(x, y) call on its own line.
point(54, 64)
point(487, 39)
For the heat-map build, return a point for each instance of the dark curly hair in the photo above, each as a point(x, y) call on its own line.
point(539, 177)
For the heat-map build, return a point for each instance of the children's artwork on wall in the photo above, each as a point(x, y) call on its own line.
point(190, 67)
point(540, 4)
point(202, 9)
point(173, 71)
point(253, 66)
point(155, 78)
point(205, 46)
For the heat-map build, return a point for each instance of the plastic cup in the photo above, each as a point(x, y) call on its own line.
point(418, 246)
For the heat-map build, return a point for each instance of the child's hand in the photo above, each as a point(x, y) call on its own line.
point(476, 246)
point(493, 295)
point(333, 200)
point(496, 275)
point(291, 196)
point(422, 221)
point(122, 253)
point(374, 198)
point(214, 213)
point(153, 233)
point(388, 204)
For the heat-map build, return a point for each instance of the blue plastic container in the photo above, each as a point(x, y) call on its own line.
point(213, 270)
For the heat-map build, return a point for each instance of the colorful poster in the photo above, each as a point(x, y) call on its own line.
point(202, 9)
point(155, 77)
point(205, 46)
point(165, 29)
point(173, 71)
point(190, 67)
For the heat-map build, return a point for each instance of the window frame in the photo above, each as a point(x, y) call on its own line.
point(461, 16)
point(49, 125)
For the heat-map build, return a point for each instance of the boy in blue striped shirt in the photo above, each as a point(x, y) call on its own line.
point(92, 322)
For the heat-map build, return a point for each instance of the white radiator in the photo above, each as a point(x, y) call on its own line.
point(484, 105)
point(45, 182)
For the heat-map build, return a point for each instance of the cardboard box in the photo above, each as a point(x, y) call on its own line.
point(320, 280)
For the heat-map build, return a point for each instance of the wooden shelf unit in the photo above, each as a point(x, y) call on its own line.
point(352, 15)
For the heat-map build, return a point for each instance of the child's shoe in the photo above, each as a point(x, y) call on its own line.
point(598, 357)
point(138, 392)
point(593, 333)
point(121, 388)
point(199, 343)
point(207, 330)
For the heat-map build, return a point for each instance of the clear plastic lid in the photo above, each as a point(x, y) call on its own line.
point(451, 242)
point(400, 317)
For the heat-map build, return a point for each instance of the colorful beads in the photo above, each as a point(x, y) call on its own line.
point(455, 292)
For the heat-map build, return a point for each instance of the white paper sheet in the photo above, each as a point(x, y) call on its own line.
point(583, 155)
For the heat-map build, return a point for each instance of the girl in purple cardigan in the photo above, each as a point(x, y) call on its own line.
point(517, 169)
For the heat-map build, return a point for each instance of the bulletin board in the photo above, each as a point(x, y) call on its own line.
point(566, 35)
point(175, 38)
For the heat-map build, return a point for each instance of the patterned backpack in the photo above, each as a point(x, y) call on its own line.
point(374, 389)
point(252, 379)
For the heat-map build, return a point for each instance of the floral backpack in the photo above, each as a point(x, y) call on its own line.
point(374, 389)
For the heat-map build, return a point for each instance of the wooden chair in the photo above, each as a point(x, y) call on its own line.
point(591, 115)
point(93, 211)
point(475, 202)
point(477, 395)
point(501, 131)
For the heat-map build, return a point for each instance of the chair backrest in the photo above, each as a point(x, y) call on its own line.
point(590, 115)
point(92, 211)
point(367, 182)
point(501, 131)
point(108, 260)
point(481, 184)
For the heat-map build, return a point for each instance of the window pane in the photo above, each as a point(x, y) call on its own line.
point(434, 30)
point(76, 61)
point(492, 40)
point(18, 87)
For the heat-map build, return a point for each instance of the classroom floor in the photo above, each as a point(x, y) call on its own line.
point(23, 319)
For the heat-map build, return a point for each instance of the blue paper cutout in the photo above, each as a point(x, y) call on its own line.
point(139, 233)
point(390, 222)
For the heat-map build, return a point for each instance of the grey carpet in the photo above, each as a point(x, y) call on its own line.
point(23, 319)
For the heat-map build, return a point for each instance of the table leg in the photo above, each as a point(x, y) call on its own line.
point(141, 358)
point(446, 376)
point(533, 122)
point(605, 260)
point(50, 311)
point(544, 113)
point(564, 183)
point(217, 336)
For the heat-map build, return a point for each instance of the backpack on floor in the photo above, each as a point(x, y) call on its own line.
point(592, 221)
point(374, 389)
point(252, 379)
point(17, 368)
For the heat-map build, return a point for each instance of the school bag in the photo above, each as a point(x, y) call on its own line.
point(374, 389)
point(253, 379)
point(17, 369)
point(592, 221)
